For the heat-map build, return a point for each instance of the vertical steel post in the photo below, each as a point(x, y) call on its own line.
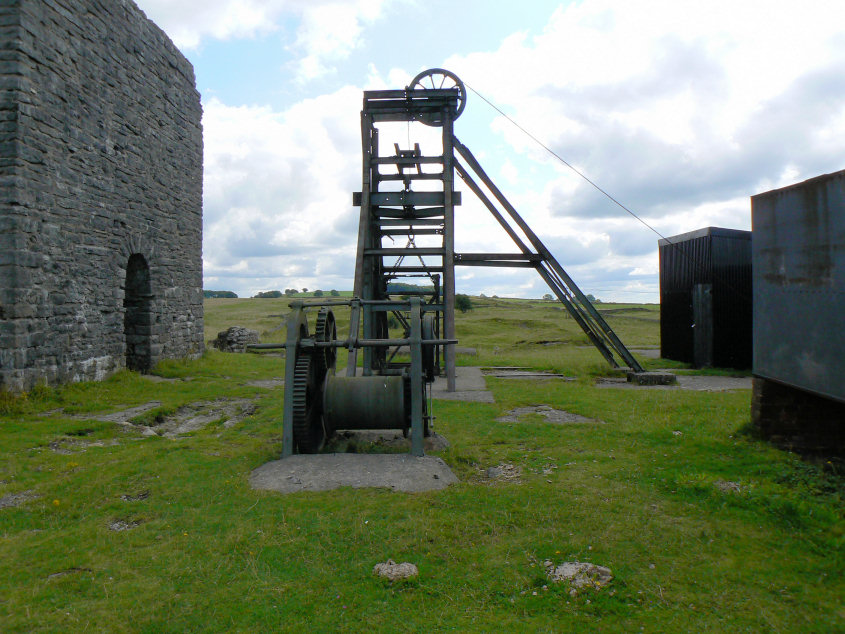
point(449, 247)
point(354, 329)
point(293, 331)
point(416, 379)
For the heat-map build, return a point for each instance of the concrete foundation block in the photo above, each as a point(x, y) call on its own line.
point(652, 378)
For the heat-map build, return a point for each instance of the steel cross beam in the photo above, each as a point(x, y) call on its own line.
point(601, 335)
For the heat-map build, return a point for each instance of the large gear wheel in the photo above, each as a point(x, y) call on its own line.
point(325, 330)
point(308, 431)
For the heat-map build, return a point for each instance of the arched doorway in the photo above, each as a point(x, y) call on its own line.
point(137, 317)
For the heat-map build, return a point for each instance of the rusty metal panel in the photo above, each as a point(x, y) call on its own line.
point(799, 285)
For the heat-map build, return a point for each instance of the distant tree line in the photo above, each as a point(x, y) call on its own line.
point(226, 294)
point(397, 288)
point(590, 297)
point(290, 292)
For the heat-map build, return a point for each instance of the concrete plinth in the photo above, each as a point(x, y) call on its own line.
point(651, 378)
point(322, 472)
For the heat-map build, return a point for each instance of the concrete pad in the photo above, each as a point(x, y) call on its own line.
point(700, 383)
point(648, 353)
point(470, 385)
point(522, 373)
point(324, 472)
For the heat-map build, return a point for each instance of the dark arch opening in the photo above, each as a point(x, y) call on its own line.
point(137, 316)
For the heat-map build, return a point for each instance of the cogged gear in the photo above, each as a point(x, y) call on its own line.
point(308, 431)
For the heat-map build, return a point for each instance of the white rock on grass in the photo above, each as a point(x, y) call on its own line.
point(393, 571)
point(579, 574)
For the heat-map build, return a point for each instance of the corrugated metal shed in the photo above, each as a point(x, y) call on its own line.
point(799, 285)
point(705, 297)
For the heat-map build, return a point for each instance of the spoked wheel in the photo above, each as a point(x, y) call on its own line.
point(308, 431)
point(439, 79)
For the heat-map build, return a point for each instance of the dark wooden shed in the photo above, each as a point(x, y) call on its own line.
point(705, 298)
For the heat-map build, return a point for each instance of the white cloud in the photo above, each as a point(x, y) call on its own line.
point(188, 22)
point(277, 201)
point(330, 32)
point(681, 110)
point(327, 32)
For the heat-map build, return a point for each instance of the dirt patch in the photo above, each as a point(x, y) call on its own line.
point(153, 378)
point(392, 571)
point(124, 416)
point(195, 416)
point(728, 486)
point(67, 571)
point(579, 574)
point(267, 383)
point(135, 497)
point(557, 416)
point(17, 499)
point(186, 419)
point(123, 525)
point(71, 445)
point(504, 471)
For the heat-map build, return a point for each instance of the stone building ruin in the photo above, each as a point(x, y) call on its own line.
point(100, 193)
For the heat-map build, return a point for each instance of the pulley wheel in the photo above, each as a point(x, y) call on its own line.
point(439, 79)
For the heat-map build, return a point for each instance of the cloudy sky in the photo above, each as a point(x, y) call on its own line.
point(680, 109)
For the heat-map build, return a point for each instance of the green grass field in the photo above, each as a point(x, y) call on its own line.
point(704, 527)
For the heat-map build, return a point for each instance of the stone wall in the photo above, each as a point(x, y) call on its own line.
point(100, 164)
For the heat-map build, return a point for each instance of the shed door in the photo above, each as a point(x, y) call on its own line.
point(702, 314)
